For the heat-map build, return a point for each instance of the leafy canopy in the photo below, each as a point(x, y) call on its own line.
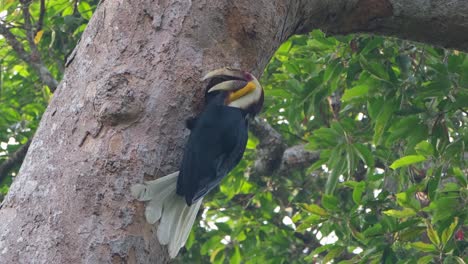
point(389, 119)
point(56, 26)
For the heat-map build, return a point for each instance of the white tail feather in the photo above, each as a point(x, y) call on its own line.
point(176, 216)
point(183, 227)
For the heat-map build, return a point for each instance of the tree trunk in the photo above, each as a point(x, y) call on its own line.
point(117, 117)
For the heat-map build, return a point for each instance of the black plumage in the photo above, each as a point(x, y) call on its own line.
point(215, 146)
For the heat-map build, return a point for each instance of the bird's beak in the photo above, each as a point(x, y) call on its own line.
point(241, 92)
point(232, 85)
point(239, 87)
point(225, 72)
point(243, 89)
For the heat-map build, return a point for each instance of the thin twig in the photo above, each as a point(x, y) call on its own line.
point(40, 22)
point(29, 30)
point(75, 7)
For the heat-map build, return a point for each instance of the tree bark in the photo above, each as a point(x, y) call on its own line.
point(117, 117)
point(438, 22)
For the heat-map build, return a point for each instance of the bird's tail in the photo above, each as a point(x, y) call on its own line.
point(163, 203)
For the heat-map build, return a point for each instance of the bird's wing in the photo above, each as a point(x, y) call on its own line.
point(216, 145)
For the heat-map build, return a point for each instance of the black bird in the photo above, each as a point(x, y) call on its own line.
point(215, 146)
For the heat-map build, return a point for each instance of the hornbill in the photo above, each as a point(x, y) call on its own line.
point(215, 146)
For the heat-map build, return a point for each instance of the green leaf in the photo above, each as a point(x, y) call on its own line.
point(407, 160)
point(372, 44)
point(314, 209)
point(337, 165)
point(241, 237)
point(406, 212)
point(358, 190)
point(443, 208)
point(357, 91)
point(374, 107)
point(251, 144)
point(374, 68)
point(448, 232)
point(407, 200)
point(374, 230)
point(436, 88)
point(410, 234)
point(350, 160)
point(212, 243)
point(318, 164)
point(294, 86)
point(190, 240)
point(426, 259)
point(310, 221)
point(382, 121)
point(356, 234)
point(432, 234)
point(236, 257)
point(330, 202)
point(459, 260)
point(85, 10)
point(284, 48)
point(323, 137)
point(68, 11)
point(349, 261)
point(364, 154)
point(333, 253)
point(292, 68)
point(357, 195)
point(423, 247)
point(215, 253)
point(322, 249)
point(461, 177)
point(388, 256)
point(424, 148)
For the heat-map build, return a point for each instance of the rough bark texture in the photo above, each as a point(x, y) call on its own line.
point(439, 22)
point(117, 117)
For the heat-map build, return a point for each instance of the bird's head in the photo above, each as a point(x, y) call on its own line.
point(240, 88)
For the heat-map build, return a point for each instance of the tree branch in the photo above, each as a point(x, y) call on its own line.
point(273, 155)
point(435, 22)
point(27, 23)
point(16, 158)
point(33, 58)
point(270, 149)
point(297, 157)
point(40, 22)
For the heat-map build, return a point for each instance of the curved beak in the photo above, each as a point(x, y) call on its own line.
point(248, 88)
point(225, 73)
point(232, 85)
point(239, 87)
point(243, 88)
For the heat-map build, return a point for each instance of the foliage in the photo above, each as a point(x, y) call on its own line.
point(23, 96)
point(388, 116)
